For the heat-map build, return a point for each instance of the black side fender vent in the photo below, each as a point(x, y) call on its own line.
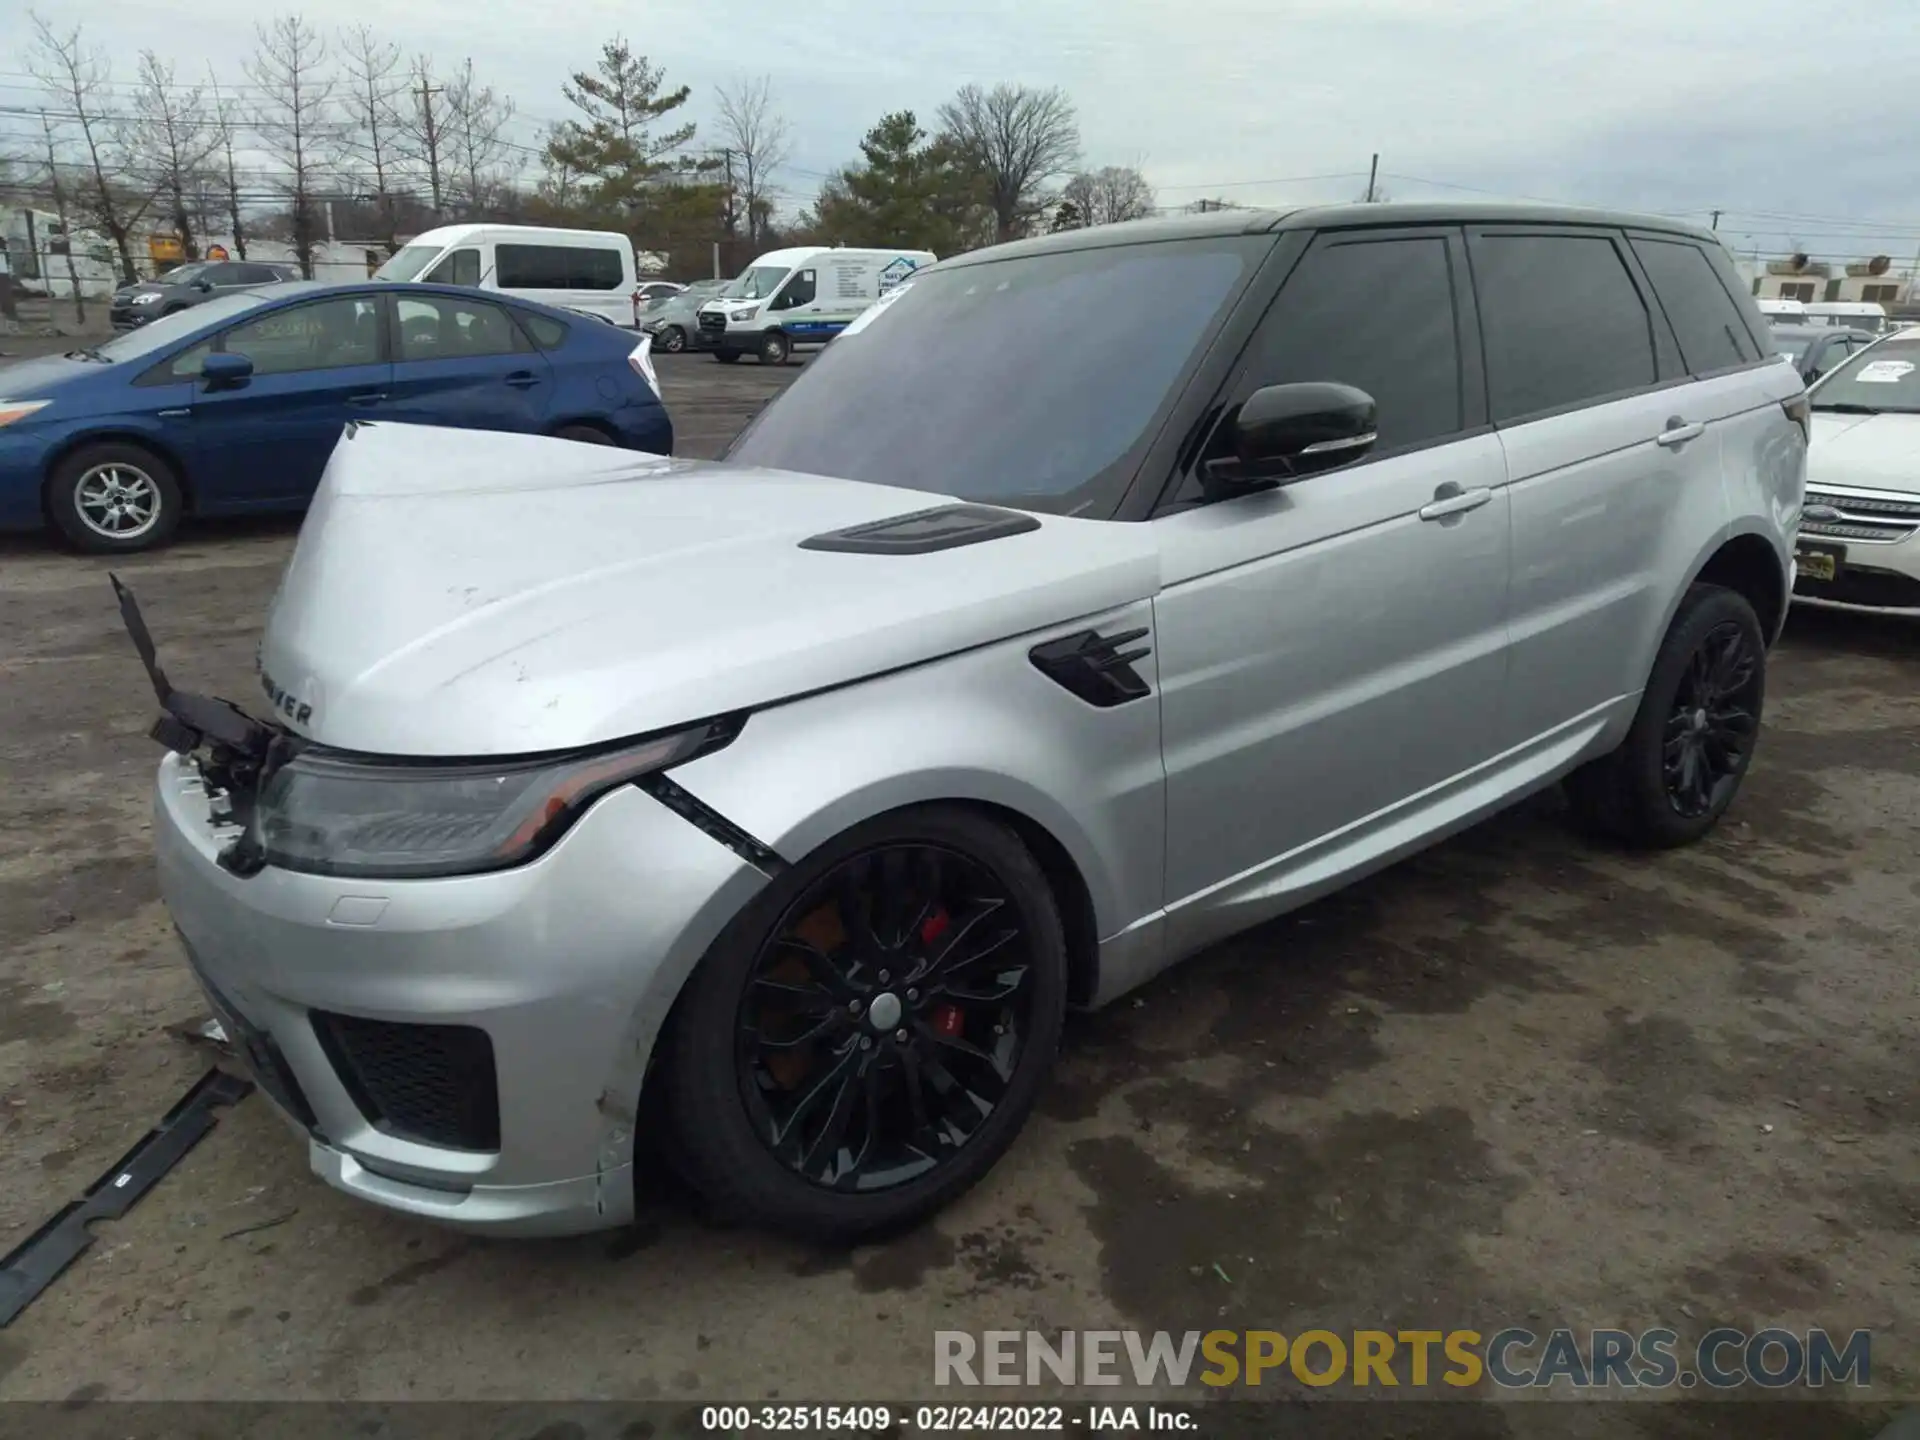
point(945, 527)
point(1098, 668)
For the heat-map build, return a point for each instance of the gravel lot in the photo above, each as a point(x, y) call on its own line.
point(1516, 1080)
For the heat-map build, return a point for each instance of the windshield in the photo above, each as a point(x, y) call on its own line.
point(407, 262)
point(133, 344)
point(1075, 354)
point(1792, 346)
point(180, 274)
point(755, 284)
point(1884, 378)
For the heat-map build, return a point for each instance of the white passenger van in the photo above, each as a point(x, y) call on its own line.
point(795, 299)
point(590, 270)
point(1853, 314)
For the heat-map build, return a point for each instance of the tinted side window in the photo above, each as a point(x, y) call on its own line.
point(1711, 333)
point(800, 291)
point(1563, 322)
point(319, 336)
point(462, 267)
point(556, 267)
point(1376, 314)
point(440, 327)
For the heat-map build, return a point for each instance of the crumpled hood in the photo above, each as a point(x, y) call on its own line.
point(1881, 452)
point(467, 593)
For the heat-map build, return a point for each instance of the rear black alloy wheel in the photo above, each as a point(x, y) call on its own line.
point(869, 1042)
point(1713, 723)
point(1694, 735)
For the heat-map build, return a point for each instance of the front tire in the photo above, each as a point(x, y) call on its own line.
point(114, 498)
point(671, 340)
point(1693, 737)
point(867, 1037)
point(773, 348)
point(584, 434)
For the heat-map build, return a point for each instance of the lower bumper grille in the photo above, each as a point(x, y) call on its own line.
point(270, 1069)
point(1881, 589)
point(434, 1084)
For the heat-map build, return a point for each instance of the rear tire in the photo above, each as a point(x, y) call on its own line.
point(773, 349)
point(727, 357)
point(808, 1094)
point(1693, 737)
point(114, 498)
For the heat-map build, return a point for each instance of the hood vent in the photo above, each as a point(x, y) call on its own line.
point(946, 527)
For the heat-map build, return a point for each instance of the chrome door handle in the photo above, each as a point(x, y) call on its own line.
point(1678, 432)
point(1458, 504)
point(522, 379)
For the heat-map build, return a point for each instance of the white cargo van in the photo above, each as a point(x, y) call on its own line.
point(1784, 312)
point(1853, 314)
point(588, 270)
point(793, 299)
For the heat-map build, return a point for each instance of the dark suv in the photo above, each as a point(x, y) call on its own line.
point(188, 285)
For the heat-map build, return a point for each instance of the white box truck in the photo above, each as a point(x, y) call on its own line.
point(797, 299)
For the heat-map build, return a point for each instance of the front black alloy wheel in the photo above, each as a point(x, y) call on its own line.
point(864, 1043)
point(1694, 735)
point(671, 340)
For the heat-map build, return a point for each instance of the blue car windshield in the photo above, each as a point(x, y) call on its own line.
point(137, 344)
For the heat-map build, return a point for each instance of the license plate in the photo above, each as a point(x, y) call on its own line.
point(1819, 562)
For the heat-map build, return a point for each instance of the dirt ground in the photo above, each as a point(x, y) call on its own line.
point(1515, 1081)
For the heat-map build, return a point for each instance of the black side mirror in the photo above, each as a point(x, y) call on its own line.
point(202, 286)
point(1287, 432)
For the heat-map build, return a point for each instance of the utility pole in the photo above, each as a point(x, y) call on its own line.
point(733, 219)
point(430, 133)
point(1716, 220)
point(1373, 174)
point(66, 230)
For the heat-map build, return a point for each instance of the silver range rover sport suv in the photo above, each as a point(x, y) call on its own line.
point(1092, 598)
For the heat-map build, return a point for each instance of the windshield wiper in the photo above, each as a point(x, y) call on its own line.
point(1847, 407)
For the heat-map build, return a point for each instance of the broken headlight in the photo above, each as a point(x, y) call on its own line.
point(336, 814)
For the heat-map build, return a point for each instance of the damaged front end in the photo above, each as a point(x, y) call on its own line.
point(235, 753)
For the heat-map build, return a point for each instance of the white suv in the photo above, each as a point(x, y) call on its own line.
point(1860, 529)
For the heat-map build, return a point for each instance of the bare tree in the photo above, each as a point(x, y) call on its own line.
point(478, 142)
point(757, 139)
point(427, 127)
point(375, 85)
point(1109, 195)
point(226, 125)
point(57, 187)
point(176, 139)
point(296, 121)
point(1018, 139)
point(77, 77)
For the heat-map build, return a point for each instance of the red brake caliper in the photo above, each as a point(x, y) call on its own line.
point(947, 1019)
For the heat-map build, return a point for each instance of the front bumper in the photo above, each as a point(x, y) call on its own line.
point(24, 452)
point(1880, 532)
point(568, 965)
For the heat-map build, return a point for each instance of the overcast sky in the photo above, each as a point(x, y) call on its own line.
point(1800, 121)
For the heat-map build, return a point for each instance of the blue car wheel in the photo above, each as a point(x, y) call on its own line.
point(114, 498)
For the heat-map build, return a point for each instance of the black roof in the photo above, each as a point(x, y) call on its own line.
point(1320, 217)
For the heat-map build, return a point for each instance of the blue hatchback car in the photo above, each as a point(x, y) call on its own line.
point(234, 406)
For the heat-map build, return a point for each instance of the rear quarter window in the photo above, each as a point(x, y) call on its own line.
point(547, 333)
point(1706, 322)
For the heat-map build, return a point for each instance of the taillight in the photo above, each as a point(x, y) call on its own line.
point(1801, 413)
